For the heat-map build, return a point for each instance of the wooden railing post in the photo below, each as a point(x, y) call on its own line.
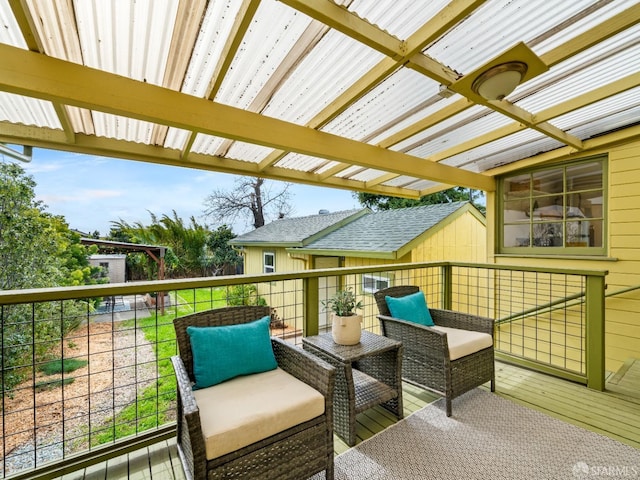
point(595, 355)
point(311, 306)
point(447, 282)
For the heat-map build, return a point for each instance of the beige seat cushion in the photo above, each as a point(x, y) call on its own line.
point(464, 342)
point(247, 409)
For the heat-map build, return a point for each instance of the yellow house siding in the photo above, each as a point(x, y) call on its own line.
point(463, 240)
point(622, 316)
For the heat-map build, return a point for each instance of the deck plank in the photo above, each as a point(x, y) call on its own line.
point(611, 413)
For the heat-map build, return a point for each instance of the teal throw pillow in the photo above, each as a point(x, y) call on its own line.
point(412, 308)
point(222, 353)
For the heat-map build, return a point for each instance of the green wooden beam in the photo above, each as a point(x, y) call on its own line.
point(595, 309)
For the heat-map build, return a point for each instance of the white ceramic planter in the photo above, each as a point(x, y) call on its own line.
point(346, 330)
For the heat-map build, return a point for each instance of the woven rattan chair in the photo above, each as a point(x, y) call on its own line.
point(296, 453)
point(426, 360)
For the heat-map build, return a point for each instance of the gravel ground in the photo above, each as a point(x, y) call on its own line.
point(101, 393)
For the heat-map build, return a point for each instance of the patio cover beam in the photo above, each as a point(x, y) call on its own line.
point(39, 76)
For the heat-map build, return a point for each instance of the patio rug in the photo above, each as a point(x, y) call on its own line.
point(488, 437)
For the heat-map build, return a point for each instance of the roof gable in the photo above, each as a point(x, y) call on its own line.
point(388, 231)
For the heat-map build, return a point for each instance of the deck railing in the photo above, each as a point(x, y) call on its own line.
point(86, 372)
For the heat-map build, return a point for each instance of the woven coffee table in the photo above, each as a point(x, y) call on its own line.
point(367, 374)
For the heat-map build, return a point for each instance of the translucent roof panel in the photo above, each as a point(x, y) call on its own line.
point(274, 32)
point(10, 32)
point(497, 26)
point(460, 132)
point(436, 132)
point(128, 39)
point(305, 163)
point(248, 152)
point(216, 26)
point(405, 18)
point(27, 111)
point(333, 65)
point(519, 145)
point(398, 96)
point(122, 128)
point(605, 63)
point(207, 144)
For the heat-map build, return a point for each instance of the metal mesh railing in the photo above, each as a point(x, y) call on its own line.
point(88, 367)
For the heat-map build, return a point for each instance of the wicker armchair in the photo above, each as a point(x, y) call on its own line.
point(296, 453)
point(426, 360)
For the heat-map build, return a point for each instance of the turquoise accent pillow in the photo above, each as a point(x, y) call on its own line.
point(412, 308)
point(222, 353)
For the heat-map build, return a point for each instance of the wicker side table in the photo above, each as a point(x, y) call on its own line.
point(367, 374)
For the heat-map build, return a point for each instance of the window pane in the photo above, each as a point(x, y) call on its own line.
point(547, 234)
point(595, 233)
point(584, 177)
point(578, 234)
point(548, 181)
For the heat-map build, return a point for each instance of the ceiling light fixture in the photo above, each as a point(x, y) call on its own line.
point(500, 80)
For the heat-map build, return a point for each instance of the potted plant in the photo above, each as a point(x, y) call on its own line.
point(345, 323)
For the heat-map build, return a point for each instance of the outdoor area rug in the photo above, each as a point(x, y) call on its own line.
point(488, 437)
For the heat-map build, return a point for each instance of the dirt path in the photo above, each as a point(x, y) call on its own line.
point(121, 363)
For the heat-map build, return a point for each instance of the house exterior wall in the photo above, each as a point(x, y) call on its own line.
point(461, 238)
point(622, 312)
point(284, 297)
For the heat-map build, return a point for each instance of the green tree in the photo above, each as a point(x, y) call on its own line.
point(222, 254)
point(37, 249)
point(456, 194)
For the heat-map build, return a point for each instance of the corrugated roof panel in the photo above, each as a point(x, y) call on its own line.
point(421, 114)
point(10, 32)
point(499, 152)
point(400, 18)
point(618, 104)
point(434, 133)
point(400, 181)
point(607, 123)
point(301, 163)
point(214, 30)
point(497, 26)
point(613, 59)
point(398, 95)
point(127, 38)
point(349, 171)
point(333, 65)
point(248, 152)
point(601, 11)
point(132, 40)
point(274, 31)
point(122, 128)
point(506, 157)
point(443, 139)
point(368, 175)
point(207, 144)
point(27, 111)
point(176, 138)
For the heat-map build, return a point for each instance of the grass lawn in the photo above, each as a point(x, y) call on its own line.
point(156, 405)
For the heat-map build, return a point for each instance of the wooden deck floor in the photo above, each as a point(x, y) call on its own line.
point(612, 413)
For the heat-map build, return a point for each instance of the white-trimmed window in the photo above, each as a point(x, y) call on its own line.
point(268, 262)
point(373, 283)
point(559, 209)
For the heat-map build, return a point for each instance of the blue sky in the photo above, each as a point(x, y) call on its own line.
point(91, 191)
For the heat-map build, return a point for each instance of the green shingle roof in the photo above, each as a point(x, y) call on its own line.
point(385, 231)
point(297, 231)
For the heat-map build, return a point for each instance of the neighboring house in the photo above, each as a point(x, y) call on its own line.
point(114, 265)
point(454, 231)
